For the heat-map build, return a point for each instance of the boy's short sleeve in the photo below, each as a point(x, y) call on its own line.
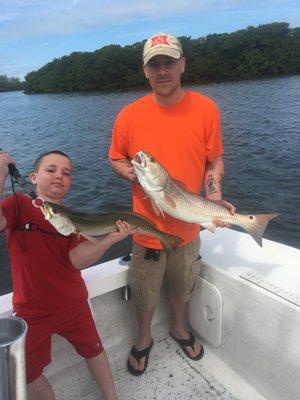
point(214, 146)
point(75, 240)
point(119, 142)
point(11, 208)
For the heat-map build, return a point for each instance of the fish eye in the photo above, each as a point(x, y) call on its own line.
point(251, 217)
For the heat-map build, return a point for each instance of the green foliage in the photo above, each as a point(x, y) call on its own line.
point(9, 84)
point(266, 50)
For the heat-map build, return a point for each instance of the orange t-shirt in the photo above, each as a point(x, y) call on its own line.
point(182, 138)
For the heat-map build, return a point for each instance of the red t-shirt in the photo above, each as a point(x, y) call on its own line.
point(44, 279)
point(182, 138)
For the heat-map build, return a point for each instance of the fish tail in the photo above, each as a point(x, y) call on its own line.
point(258, 226)
point(170, 242)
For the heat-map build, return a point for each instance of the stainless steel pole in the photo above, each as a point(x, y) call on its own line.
point(12, 358)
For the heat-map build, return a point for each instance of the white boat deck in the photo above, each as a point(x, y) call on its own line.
point(170, 374)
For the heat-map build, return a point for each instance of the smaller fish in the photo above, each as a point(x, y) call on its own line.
point(67, 222)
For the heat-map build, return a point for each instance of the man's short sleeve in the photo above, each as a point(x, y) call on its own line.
point(214, 146)
point(119, 142)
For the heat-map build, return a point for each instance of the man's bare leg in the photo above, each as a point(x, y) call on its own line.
point(144, 319)
point(178, 324)
point(40, 389)
point(100, 370)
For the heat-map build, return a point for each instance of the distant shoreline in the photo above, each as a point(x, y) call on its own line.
point(12, 90)
point(141, 88)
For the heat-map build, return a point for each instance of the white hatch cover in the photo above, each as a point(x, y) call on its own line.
point(205, 312)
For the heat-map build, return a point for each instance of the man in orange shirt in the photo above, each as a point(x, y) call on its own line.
point(182, 130)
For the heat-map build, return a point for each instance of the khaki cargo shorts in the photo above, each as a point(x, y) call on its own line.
point(181, 269)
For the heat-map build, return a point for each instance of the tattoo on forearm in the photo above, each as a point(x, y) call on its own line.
point(211, 182)
point(210, 167)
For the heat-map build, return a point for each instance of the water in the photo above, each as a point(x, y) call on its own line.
point(261, 140)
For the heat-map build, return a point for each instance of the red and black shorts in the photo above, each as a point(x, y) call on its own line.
point(77, 326)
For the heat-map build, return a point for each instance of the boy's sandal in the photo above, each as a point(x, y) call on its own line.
point(190, 342)
point(138, 355)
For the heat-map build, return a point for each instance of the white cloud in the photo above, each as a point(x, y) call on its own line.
point(73, 4)
point(62, 17)
point(18, 71)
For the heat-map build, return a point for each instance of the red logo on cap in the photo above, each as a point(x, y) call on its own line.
point(162, 39)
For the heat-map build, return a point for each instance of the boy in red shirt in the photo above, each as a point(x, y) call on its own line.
point(48, 290)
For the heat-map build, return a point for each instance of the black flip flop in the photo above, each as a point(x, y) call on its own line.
point(184, 343)
point(138, 355)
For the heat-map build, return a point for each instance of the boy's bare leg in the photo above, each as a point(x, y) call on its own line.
point(144, 318)
point(101, 372)
point(40, 389)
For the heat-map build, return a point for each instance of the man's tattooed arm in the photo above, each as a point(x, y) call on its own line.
point(213, 178)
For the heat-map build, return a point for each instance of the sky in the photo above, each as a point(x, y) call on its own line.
point(34, 32)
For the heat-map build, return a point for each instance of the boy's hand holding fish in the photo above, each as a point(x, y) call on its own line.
point(124, 230)
point(86, 252)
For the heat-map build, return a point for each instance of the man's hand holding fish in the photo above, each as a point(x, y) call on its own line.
point(125, 170)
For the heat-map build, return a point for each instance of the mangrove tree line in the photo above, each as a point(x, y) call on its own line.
point(9, 84)
point(266, 50)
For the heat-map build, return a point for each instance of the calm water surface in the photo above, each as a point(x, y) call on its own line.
point(261, 128)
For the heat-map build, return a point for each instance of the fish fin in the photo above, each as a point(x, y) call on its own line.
point(210, 226)
point(141, 231)
point(169, 201)
point(258, 225)
point(157, 208)
point(88, 237)
point(170, 242)
point(180, 184)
